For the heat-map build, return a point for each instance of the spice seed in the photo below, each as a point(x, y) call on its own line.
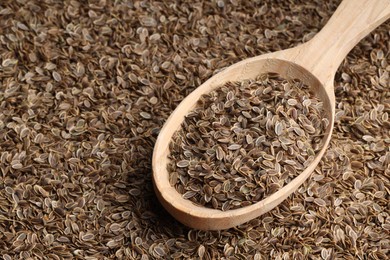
point(183, 163)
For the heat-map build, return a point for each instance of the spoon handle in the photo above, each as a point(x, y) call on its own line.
point(352, 21)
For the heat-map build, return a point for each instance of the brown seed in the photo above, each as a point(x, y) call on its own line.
point(278, 128)
point(63, 239)
point(189, 194)
point(88, 236)
point(183, 163)
point(320, 202)
point(115, 227)
point(159, 251)
point(56, 76)
point(292, 102)
point(234, 146)
point(201, 251)
point(146, 115)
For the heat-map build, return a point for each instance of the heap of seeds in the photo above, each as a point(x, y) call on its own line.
point(85, 87)
point(246, 140)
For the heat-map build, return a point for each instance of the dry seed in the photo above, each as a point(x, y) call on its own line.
point(201, 251)
point(183, 163)
point(16, 165)
point(9, 190)
point(112, 243)
point(189, 194)
point(146, 115)
point(292, 102)
point(115, 227)
point(63, 239)
point(234, 146)
point(88, 237)
point(7, 257)
point(159, 251)
point(320, 202)
point(56, 76)
point(278, 128)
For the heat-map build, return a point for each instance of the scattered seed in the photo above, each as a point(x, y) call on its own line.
point(109, 58)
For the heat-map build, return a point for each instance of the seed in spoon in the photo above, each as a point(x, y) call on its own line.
point(183, 163)
point(246, 140)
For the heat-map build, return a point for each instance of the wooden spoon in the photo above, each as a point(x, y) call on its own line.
point(314, 63)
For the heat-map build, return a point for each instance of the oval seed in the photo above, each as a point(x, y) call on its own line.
point(320, 202)
point(234, 146)
point(292, 102)
point(183, 163)
point(56, 76)
point(278, 128)
point(146, 115)
point(88, 236)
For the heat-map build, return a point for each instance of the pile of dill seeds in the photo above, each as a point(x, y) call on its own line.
point(246, 140)
point(85, 87)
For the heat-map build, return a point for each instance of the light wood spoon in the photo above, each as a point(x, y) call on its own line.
point(314, 63)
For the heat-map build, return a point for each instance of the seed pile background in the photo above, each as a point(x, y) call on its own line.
point(245, 140)
point(85, 88)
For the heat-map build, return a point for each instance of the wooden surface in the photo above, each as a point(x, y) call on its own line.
point(314, 62)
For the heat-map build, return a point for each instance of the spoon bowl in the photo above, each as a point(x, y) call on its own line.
point(314, 63)
point(191, 214)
